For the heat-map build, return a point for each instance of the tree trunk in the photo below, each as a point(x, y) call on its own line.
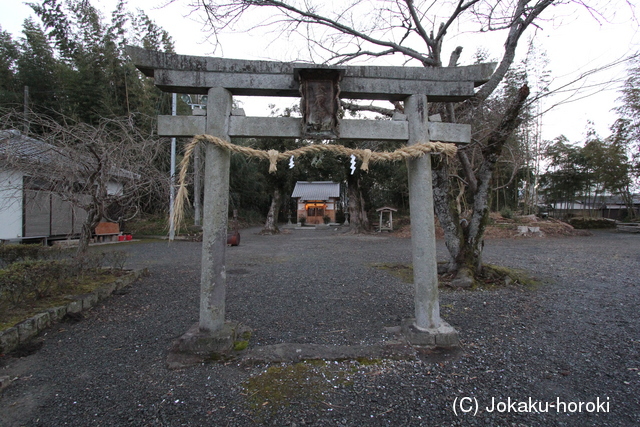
point(446, 211)
point(627, 197)
point(93, 218)
point(95, 211)
point(358, 220)
point(271, 224)
point(465, 238)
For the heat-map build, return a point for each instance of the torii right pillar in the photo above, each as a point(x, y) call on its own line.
point(427, 328)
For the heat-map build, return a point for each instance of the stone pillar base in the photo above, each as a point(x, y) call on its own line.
point(444, 336)
point(197, 346)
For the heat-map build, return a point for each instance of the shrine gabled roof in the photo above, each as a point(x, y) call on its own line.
point(316, 190)
point(386, 209)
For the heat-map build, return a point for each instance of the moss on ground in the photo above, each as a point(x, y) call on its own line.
point(402, 271)
point(311, 381)
point(149, 226)
point(240, 345)
point(11, 315)
point(495, 275)
point(367, 361)
point(491, 276)
point(279, 386)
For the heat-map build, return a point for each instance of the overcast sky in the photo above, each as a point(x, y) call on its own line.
point(574, 42)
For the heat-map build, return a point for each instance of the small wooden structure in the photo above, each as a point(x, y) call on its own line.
point(319, 101)
point(386, 225)
point(316, 200)
point(107, 232)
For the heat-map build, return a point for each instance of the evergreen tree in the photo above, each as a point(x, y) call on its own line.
point(38, 69)
point(8, 58)
point(76, 67)
point(587, 173)
point(626, 129)
point(96, 78)
point(565, 178)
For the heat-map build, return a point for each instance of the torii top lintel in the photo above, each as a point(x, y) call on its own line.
point(196, 74)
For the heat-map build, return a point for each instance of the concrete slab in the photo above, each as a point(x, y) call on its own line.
point(197, 346)
point(295, 352)
point(442, 336)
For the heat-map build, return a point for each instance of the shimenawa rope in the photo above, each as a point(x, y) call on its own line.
point(273, 156)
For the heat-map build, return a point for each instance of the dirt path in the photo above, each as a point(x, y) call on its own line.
point(574, 339)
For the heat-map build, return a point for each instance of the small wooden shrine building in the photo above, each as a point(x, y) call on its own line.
point(316, 200)
point(388, 224)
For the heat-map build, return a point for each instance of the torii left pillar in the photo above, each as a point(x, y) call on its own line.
point(213, 281)
point(427, 328)
point(212, 335)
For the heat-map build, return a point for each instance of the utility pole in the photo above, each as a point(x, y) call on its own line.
point(172, 189)
point(26, 110)
point(197, 179)
point(197, 187)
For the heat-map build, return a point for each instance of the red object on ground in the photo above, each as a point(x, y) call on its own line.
point(129, 237)
point(121, 238)
point(233, 239)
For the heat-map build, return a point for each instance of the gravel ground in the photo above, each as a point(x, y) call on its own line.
point(576, 338)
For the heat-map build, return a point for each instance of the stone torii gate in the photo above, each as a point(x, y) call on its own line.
point(220, 79)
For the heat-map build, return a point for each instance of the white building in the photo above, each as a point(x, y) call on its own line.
point(28, 209)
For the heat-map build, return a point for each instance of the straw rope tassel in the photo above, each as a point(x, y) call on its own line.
point(182, 197)
point(273, 159)
point(366, 156)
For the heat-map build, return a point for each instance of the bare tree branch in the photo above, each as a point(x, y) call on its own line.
point(220, 14)
point(468, 170)
point(90, 166)
point(523, 16)
point(417, 21)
